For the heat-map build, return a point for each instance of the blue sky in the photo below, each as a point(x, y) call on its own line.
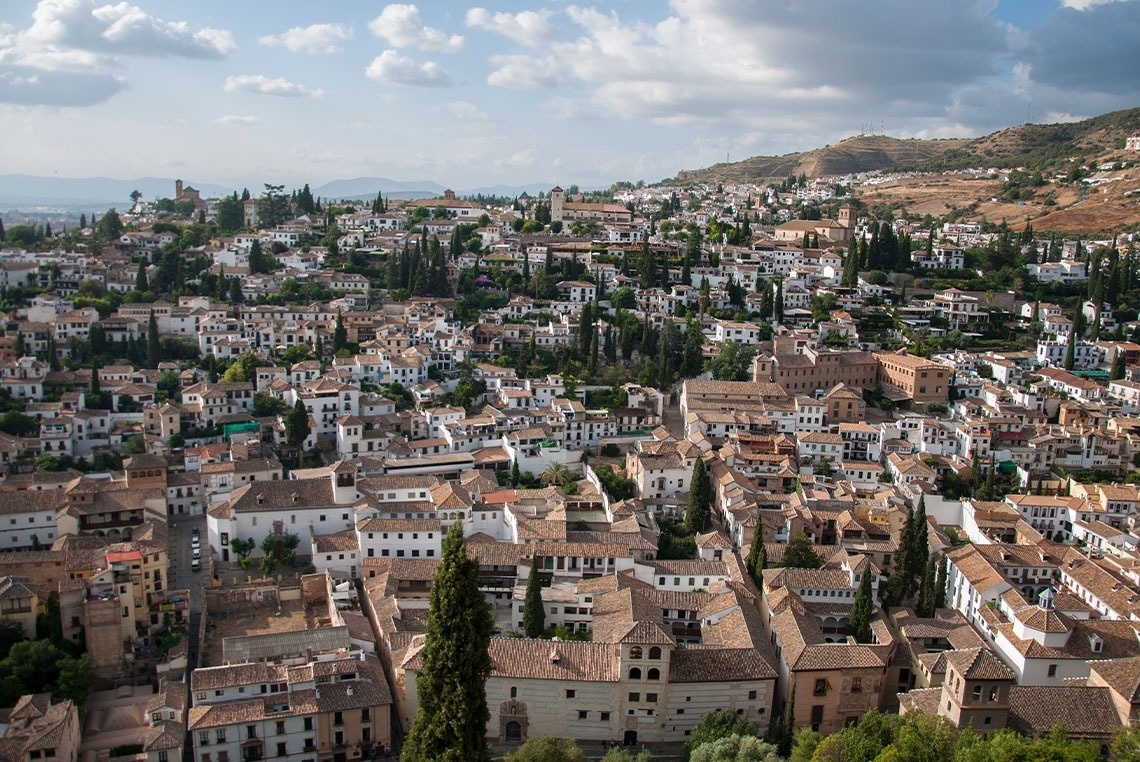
point(486, 92)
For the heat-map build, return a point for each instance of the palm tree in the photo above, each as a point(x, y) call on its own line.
point(557, 474)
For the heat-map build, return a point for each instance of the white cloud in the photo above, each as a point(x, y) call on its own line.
point(69, 54)
point(529, 28)
point(391, 68)
point(317, 39)
point(516, 71)
point(463, 110)
point(122, 29)
point(401, 26)
point(1084, 5)
point(258, 83)
point(237, 119)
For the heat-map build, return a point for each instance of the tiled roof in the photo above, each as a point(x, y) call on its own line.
point(1084, 712)
point(700, 665)
point(978, 664)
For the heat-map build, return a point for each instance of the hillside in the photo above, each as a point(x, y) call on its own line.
point(1037, 146)
point(863, 153)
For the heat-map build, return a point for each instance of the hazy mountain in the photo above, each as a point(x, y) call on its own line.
point(100, 191)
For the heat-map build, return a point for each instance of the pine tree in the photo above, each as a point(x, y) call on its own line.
point(153, 353)
point(699, 509)
point(534, 613)
point(451, 723)
point(757, 557)
point(862, 609)
point(799, 554)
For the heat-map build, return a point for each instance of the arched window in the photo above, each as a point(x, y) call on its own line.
point(655, 652)
point(653, 674)
point(635, 652)
point(635, 673)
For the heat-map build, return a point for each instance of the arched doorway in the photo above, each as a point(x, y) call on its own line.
point(513, 731)
point(630, 738)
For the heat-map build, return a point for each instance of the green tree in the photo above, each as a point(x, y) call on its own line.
point(451, 723)
point(534, 613)
point(242, 548)
point(1071, 349)
point(273, 208)
point(547, 749)
point(799, 553)
point(720, 723)
point(340, 334)
point(153, 348)
point(620, 754)
point(940, 585)
point(736, 748)
point(1118, 368)
point(297, 427)
point(76, 678)
point(863, 608)
point(141, 282)
point(110, 227)
point(757, 557)
point(924, 607)
point(698, 511)
point(229, 214)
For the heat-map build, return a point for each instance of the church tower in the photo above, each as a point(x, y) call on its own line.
point(557, 196)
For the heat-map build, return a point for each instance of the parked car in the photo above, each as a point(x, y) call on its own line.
point(196, 564)
point(197, 555)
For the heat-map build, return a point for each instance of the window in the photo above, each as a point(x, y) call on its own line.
point(654, 653)
point(251, 731)
point(220, 735)
point(280, 727)
point(635, 652)
point(653, 674)
point(634, 698)
point(365, 714)
point(569, 693)
point(635, 674)
point(751, 695)
point(206, 756)
point(856, 685)
point(1052, 670)
point(988, 720)
point(338, 718)
point(994, 693)
point(281, 749)
point(583, 714)
point(308, 723)
point(976, 693)
point(203, 738)
point(605, 717)
point(816, 717)
point(651, 698)
point(514, 692)
point(820, 688)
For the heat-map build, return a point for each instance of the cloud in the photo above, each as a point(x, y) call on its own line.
point(401, 26)
point(522, 72)
point(463, 110)
point(237, 119)
point(317, 39)
point(122, 29)
point(391, 68)
point(257, 83)
point(69, 54)
point(529, 28)
point(1087, 50)
point(1084, 5)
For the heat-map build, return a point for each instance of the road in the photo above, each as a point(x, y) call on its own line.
point(179, 555)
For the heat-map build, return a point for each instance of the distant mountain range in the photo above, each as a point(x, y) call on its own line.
point(1037, 146)
point(24, 191)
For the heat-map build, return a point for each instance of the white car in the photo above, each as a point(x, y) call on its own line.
point(196, 565)
point(197, 554)
point(195, 542)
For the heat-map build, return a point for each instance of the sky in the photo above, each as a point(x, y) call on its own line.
point(489, 92)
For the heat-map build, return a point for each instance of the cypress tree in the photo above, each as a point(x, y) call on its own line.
point(940, 585)
point(862, 609)
point(1118, 369)
point(757, 557)
point(451, 723)
point(1071, 349)
point(141, 283)
point(153, 353)
point(340, 334)
point(779, 301)
point(534, 613)
point(919, 552)
point(699, 508)
point(925, 605)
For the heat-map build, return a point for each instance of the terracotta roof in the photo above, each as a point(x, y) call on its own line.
point(978, 664)
point(701, 665)
point(1084, 712)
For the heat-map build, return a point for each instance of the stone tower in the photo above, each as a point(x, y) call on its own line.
point(557, 196)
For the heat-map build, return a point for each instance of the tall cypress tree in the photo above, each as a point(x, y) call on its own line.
point(153, 353)
point(940, 585)
point(451, 724)
point(534, 613)
point(757, 557)
point(862, 609)
point(925, 605)
point(699, 508)
point(919, 552)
